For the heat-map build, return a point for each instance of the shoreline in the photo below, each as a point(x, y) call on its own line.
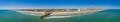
point(56, 13)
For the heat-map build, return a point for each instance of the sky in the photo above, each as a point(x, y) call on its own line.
point(58, 4)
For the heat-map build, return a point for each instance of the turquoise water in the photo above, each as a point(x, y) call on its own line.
point(110, 15)
point(12, 16)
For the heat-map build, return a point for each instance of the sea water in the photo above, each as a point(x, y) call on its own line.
point(12, 16)
point(110, 15)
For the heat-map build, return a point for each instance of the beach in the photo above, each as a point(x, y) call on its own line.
point(59, 13)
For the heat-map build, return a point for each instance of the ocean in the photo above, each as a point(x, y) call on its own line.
point(109, 15)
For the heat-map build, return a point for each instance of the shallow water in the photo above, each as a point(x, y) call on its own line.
point(110, 15)
point(12, 16)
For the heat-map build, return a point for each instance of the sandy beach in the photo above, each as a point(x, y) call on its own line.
point(58, 13)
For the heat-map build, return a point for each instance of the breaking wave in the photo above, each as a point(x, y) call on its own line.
point(58, 16)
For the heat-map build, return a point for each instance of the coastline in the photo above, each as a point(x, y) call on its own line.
point(56, 13)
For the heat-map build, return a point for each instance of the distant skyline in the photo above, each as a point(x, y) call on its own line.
point(58, 4)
